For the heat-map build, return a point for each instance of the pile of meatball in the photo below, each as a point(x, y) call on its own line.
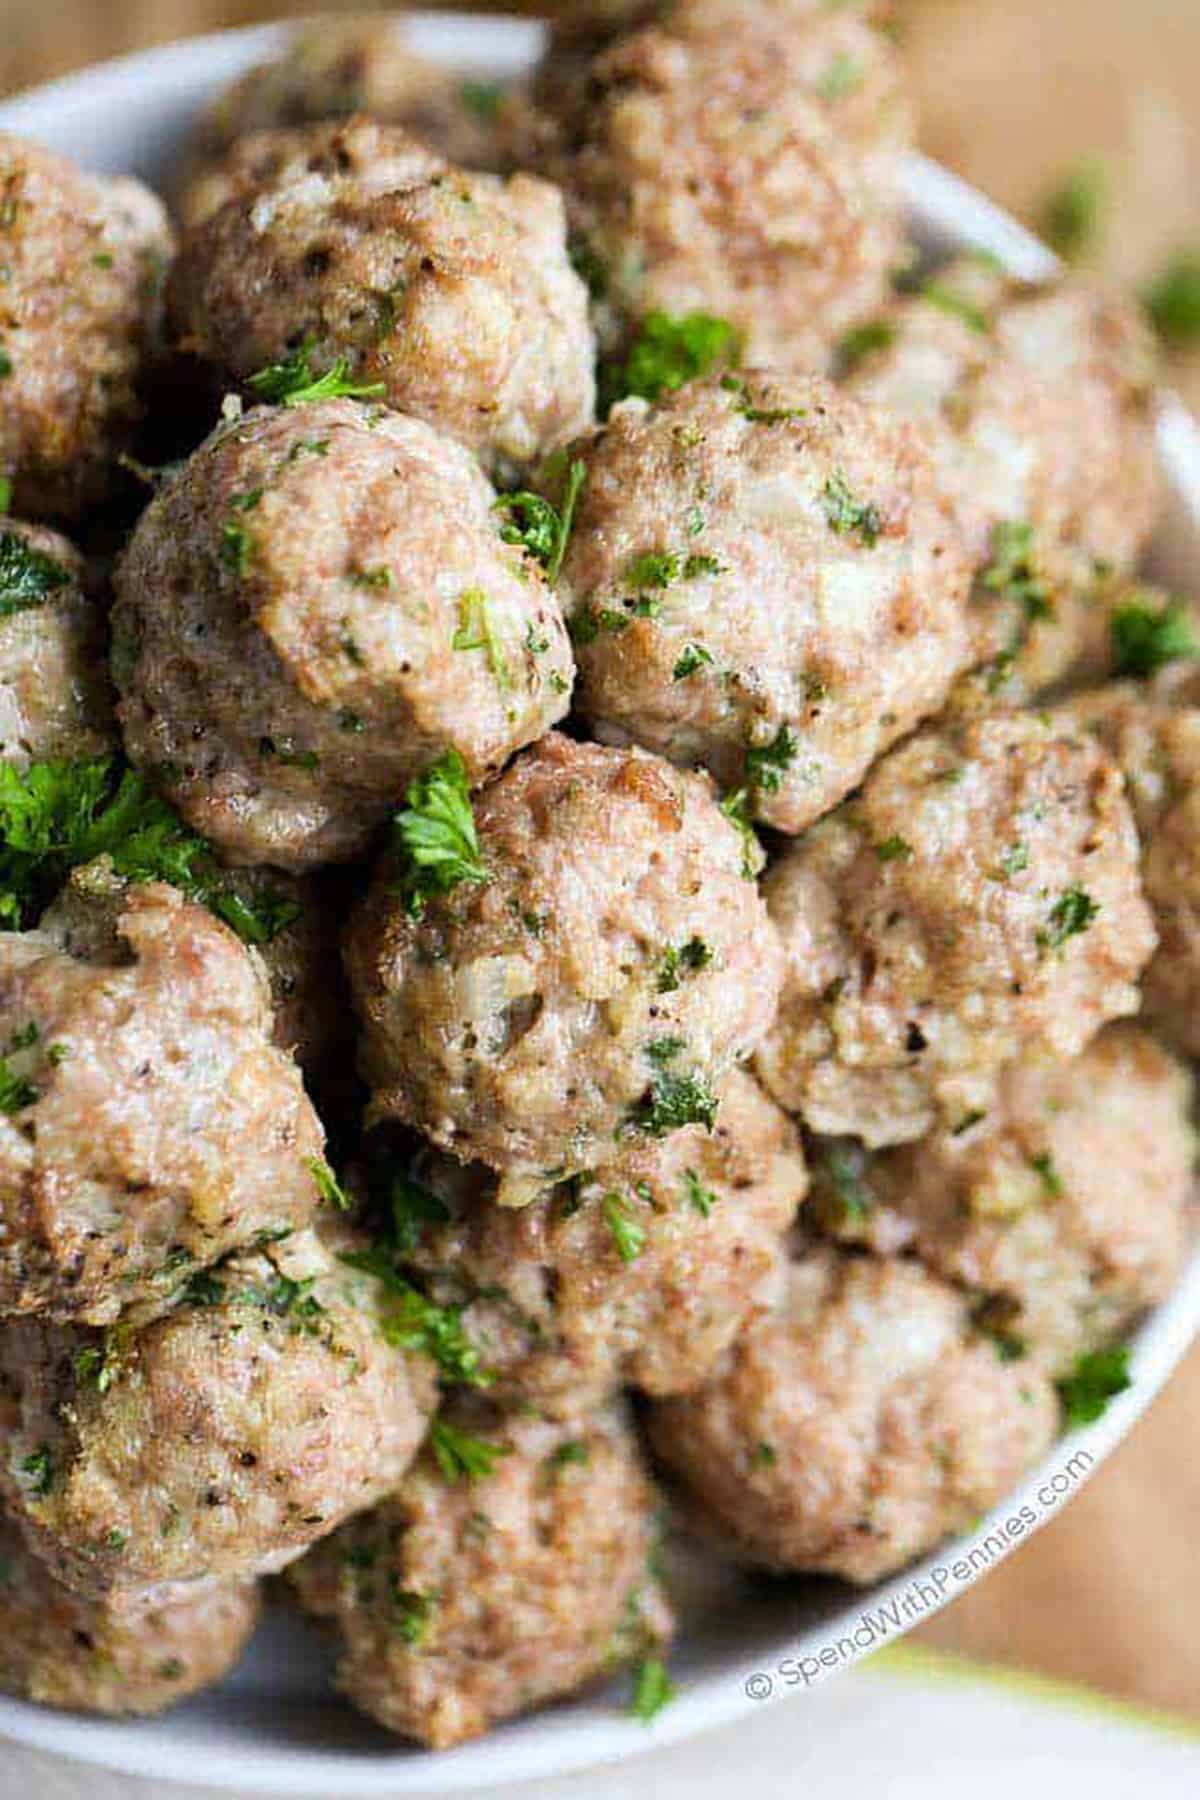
point(686, 1025)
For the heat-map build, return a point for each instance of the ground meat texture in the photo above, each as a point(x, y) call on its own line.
point(856, 1427)
point(452, 291)
point(1037, 401)
point(979, 898)
point(301, 956)
point(739, 173)
point(1063, 1209)
point(59, 1649)
point(333, 70)
point(766, 580)
point(148, 1123)
point(640, 1273)
point(54, 699)
point(462, 1602)
point(217, 1441)
point(526, 1021)
point(1152, 733)
point(79, 321)
point(316, 608)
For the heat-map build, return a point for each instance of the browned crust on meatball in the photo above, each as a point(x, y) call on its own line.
point(854, 1429)
point(460, 1604)
point(59, 1649)
point(159, 1126)
point(522, 1021)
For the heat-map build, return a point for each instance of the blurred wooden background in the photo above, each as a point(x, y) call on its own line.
point(1014, 93)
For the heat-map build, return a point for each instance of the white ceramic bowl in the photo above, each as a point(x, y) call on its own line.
point(274, 1727)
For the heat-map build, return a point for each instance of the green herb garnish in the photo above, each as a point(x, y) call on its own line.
point(652, 1689)
point(1071, 913)
point(1097, 1377)
point(292, 382)
point(28, 577)
point(850, 517)
point(666, 353)
point(459, 1454)
point(435, 836)
point(1145, 639)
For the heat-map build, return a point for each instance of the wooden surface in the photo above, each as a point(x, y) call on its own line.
point(1014, 93)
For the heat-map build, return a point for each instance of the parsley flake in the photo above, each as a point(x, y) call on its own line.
point(863, 341)
point(690, 661)
point(477, 631)
point(1172, 301)
point(543, 529)
point(459, 1454)
point(1012, 572)
point(628, 1236)
point(1071, 913)
point(1051, 1180)
point(292, 382)
point(1145, 639)
point(767, 764)
point(850, 517)
point(1073, 214)
point(894, 849)
point(1097, 1377)
point(40, 1469)
point(938, 294)
point(28, 577)
point(652, 1689)
point(700, 1198)
point(676, 962)
point(329, 1188)
point(843, 76)
point(435, 835)
point(666, 353)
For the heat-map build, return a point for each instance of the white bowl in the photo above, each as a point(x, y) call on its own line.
point(274, 1727)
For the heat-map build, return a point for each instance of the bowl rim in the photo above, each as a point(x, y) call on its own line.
point(948, 211)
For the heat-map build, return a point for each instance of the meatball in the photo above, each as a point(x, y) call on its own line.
point(641, 1272)
point(449, 292)
point(217, 1441)
point(855, 1428)
point(59, 1649)
point(609, 967)
point(79, 321)
point(766, 579)
point(148, 1124)
point(979, 898)
point(461, 1601)
point(334, 69)
point(289, 921)
point(1037, 402)
point(747, 170)
point(54, 700)
point(1064, 1207)
point(318, 605)
point(1153, 735)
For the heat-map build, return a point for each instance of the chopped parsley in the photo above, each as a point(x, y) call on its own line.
point(40, 1469)
point(666, 353)
point(1145, 638)
point(543, 529)
point(894, 849)
point(1012, 573)
point(328, 1186)
point(628, 1236)
point(1097, 1377)
point(378, 578)
point(417, 1323)
point(843, 76)
point(412, 1206)
point(863, 341)
point(1172, 301)
point(845, 1165)
point(412, 1613)
point(653, 569)
point(1014, 861)
point(850, 517)
point(28, 577)
point(652, 1689)
point(292, 382)
point(698, 1197)
point(573, 1453)
point(690, 661)
point(675, 1100)
point(6, 493)
point(16, 1092)
point(1072, 216)
point(477, 631)
point(435, 836)
point(459, 1454)
point(755, 414)
point(1071, 913)
point(57, 815)
point(1051, 1180)
point(6, 364)
point(736, 808)
point(767, 764)
point(96, 1366)
point(677, 962)
point(938, 294)
point(483, 98)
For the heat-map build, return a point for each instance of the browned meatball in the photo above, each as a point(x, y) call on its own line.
point(1037, 402)
point(748, 169)
point(291, 924)
point(857, 1426)
point(1064, 1207)
point(317, 606)
point(452, 292)
point(79, 318)
point(59, 1649)
point(640, 1272)
point(525, 1017)
point(148, 1124)
point(219, 1440)
point(768, 580)
point(54, 698)
point(466, 1598)
point(980, 898)
point(1153, 735)
point(334, 69)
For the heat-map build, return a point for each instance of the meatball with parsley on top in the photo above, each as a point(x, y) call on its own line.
point(979, 899)
point(54, 695)
point(766, 579)
point(323, 600)
point(448, 294)
point(578, 963)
